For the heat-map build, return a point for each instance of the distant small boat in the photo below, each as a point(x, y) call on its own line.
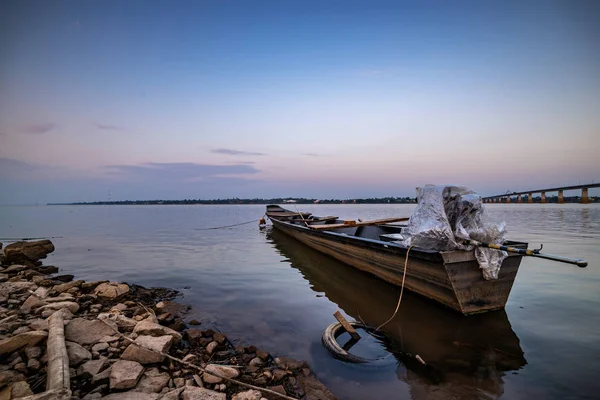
point(451, 278)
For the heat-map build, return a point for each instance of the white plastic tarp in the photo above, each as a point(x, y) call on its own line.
point(447, 214)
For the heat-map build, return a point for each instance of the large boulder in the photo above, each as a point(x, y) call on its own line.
point(125, 374)
point(84, 331)
point(111, 290)
point(21, 340)
point(27, 252)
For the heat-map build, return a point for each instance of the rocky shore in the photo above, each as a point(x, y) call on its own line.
point(122, 341)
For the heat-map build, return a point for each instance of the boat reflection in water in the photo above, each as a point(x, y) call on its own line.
point(469, 355)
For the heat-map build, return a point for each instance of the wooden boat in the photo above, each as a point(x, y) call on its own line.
point(451, 278)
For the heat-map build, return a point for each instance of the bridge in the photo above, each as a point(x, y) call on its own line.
point(506, 197)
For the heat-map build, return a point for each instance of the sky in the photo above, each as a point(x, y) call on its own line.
point(322, 99)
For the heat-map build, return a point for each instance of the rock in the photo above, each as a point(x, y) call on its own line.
point(32, 302)
point(153, 329)
point(61, 297)
point(153, 381)
point(46, 269)
point(125, 374)
point(193, 336)
point(17, 342)
point(102, 377)
point(141, 349)
point(3, 277)
point(126, 324)
point(67, 286)
point(91, 285)
point(172, 395)
point(30, 273)
point(100, 347)
point(119, 307)
point(248, 395)
point(33, 352)
point(33, 364)
point(39, 325)
point(85, 331)
point(198, 380)
point(211, 347)
point(108, 339)
point(41, 292)
point(13, 269)
point(191, 358)
point(178, 325)
point(198, 393)
point(256, 362)
point(279, 389)
point(10, 376)
point(111, 291)
point(219, 338)
point(314, 389)
point(195, 322)
point(27, 252)
point(279, 374)
point(227, 372)
point(165, 318)
point(56, 394)
point(263, 355)
point(91, 368)
point(131, 395)
point(77, 354)
point(63, 278)
point(92, 396)
point(289, 363)
point(179, 382)
point(66, 314)
point(11, 288)
point(171, 307)
point(69, 305)
point(21, 389)
point(22, 329)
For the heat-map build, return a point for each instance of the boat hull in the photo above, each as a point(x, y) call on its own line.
point(452, 279)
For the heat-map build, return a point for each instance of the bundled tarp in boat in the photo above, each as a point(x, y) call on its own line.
point(447, 214)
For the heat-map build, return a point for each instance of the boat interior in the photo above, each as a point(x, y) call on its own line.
point(387, 230)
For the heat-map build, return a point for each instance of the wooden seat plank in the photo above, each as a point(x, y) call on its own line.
point(364, 223)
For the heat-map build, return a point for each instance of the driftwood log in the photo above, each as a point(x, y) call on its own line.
point(58, 359)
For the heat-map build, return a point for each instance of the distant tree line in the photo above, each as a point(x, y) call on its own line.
point(278, 200)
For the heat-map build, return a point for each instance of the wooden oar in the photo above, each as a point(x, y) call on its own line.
point(526, 252)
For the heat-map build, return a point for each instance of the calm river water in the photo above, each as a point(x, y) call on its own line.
point(262, 288)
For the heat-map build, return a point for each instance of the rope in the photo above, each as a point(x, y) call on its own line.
point(401, 291)
point(227, 226)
